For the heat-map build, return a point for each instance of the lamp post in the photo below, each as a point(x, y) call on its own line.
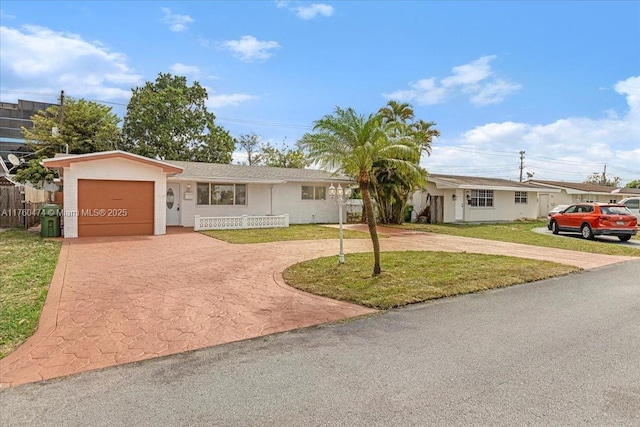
point(340, 196)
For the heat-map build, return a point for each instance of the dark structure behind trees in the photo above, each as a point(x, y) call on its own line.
point(12, 118)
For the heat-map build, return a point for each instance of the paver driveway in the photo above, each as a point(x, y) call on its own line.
point(124, 299)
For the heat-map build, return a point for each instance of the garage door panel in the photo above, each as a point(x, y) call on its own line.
point(99, 230)
point(115, 208)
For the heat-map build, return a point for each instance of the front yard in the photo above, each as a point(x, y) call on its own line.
point(28, 263)
point(522, 232)
point(412, 276)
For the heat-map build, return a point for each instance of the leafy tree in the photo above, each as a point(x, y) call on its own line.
point(284, 157)
point(217, 147)
point(35, 174)
point(349, 143)
point(602, 179)
point(251, 144)
point(393, 187)
point(86, 127)
point(633, 184)
point(168, 120)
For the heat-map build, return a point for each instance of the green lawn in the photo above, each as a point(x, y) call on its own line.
point(293, 232)
point(521, 232)
point(27, 264)
point(412, 276)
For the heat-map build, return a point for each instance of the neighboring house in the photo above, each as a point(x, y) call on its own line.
point(119, 193)
point(451, 198)
point(568, 193)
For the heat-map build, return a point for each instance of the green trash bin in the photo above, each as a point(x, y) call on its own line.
point(50, 221)
point(407, 215)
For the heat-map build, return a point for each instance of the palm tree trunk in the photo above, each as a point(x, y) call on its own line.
point(371, 221)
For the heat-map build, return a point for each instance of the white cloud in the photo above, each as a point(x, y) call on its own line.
point(175, 21)
point(250, 49)
point(493, 92)
point(306, 12)
point(185, 70)
point(475, 79)
point(228, 100)
point(315, 9)
point(44, 60)
point(567, 149)
point(469, 74)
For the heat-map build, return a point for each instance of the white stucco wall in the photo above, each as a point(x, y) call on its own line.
point(115, 169)
point(563, 198)
point(265, 199)
point(504, 209)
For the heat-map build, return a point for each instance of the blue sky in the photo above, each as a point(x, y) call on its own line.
point(560, 80)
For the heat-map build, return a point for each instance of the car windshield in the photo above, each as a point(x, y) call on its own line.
point(615, 210)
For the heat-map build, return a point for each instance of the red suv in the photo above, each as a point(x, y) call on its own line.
point(594, 219)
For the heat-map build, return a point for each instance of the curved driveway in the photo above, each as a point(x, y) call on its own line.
point(125, 299)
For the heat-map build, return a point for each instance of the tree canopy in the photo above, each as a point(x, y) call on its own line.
point(349, 143)
point(265, 154)
point(601, 179)
point(82, 127)
point(87, 127)
point(168, 120)
point(284, 157)
point(633, 184)
point(251, 144)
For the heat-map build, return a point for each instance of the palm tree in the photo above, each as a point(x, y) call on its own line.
point(349, 143)
point(392, 187)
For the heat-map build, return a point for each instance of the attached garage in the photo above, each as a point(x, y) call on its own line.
point(115, 208)
point(113, 193)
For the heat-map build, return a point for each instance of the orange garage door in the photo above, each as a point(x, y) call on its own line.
point(115, 208)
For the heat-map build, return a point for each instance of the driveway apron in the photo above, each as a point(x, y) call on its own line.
point(125, 299)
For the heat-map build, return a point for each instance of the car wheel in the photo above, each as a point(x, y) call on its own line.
point(554, 227)
point(586, 231)
point(624, 238)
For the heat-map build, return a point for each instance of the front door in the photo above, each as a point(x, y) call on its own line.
point(459, 203)
point(543, 205)
point(173, 204)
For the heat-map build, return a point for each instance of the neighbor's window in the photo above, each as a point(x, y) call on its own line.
point(222, 194)
point(310, 192)
point(481, 198)
point(521, 197)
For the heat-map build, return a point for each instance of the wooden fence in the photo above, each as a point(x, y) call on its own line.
point(14, 212)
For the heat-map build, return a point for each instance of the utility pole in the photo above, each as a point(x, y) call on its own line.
point(61, 108)
point(521, 163)
point(62, 116)
point(604, 175)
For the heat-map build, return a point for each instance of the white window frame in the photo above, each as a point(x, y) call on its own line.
point(319, 192)
point(521, 197)
point(212, 185)
point(481, 199)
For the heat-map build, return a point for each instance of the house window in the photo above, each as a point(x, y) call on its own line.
point(222, 194)
point(481, 198)
point(521, 197)
point(310, 192)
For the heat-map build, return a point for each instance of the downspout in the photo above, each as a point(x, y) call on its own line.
point(271, 200)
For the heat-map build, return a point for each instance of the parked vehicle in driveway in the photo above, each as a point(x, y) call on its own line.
point(596, 219)
point(557, 209)
point(633, 204)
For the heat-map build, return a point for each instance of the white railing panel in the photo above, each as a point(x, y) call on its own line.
point(240, 222)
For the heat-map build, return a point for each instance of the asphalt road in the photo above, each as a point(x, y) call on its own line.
point(564, 351)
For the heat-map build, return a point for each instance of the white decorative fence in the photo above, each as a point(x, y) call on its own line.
point(238, 222)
